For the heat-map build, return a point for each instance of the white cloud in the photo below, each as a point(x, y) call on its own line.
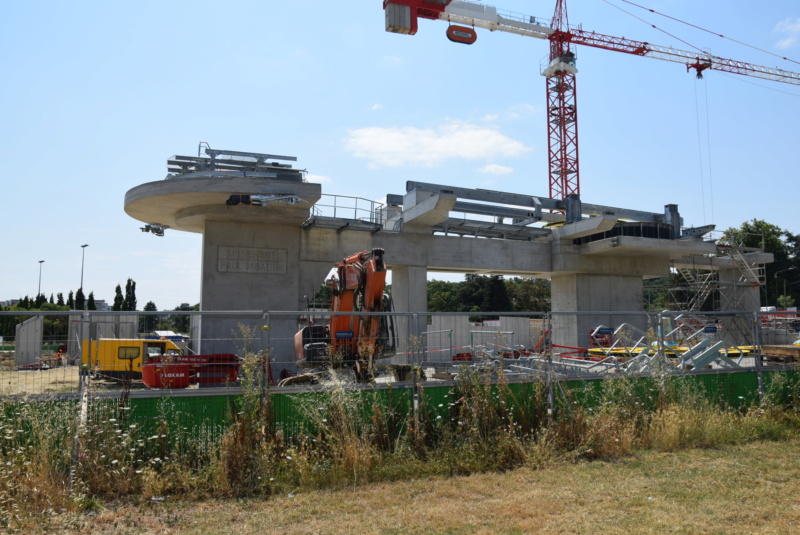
point(428, 147)
point(790, 26)
point(513, 112)
point(495, 169)
point(376, 107)
point(520, 110)
point(318, 179)
point(392, 60)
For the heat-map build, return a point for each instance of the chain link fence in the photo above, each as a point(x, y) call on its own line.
point(51, 353)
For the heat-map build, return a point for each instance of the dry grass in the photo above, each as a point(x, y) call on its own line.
point(751, 488)
point(54, 380)
point(583, 468)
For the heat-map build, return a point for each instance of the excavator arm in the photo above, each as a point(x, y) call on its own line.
point(356, 334)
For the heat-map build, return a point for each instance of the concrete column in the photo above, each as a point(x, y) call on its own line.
point(409, 294)
point(251, 267)
point(737, 295)
point(586, 293)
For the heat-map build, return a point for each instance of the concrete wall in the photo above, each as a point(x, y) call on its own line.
point(28, 338)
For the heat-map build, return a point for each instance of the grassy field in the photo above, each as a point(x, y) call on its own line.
point(751, 488)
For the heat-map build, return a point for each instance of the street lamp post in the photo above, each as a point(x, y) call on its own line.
point(784, 283)
point(790, 287)
point(39, 291)
point(83, 256)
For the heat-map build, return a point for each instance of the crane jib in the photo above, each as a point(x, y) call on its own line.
point(402, 17)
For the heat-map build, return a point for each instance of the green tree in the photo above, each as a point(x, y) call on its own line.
point(147, 323)
point(118, 299)
point(785, 301)
point(322, 298)
point(80, 300)
point(60, 299)
point(90, 304)
point(529, 295)
point(443, 296)
point(484, 293)
point(71, 301)
point(759, 234)
point(130, 295)
point(182, 322)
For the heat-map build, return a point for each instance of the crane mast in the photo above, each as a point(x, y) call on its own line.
point(562, 110)
point(562, 115)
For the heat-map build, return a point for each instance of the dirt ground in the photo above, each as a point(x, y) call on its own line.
point(54, 380)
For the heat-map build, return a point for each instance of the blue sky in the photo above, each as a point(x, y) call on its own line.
point(97, 95)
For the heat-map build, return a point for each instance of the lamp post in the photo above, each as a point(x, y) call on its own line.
point(83, 256)
point(39, 291)
point(790, 286)
point(784, 283)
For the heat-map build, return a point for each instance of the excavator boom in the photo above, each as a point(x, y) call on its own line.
point(355, 334)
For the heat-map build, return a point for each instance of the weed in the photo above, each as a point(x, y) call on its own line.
point(351, 434)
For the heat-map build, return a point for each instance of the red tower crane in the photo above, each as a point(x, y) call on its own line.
point(562, 114)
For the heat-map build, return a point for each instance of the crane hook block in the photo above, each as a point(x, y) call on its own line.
point(462, 34)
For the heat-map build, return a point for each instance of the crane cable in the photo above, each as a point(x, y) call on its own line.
point(687, 43)
point(697, 28)
point(708, 146)
point(700, 154)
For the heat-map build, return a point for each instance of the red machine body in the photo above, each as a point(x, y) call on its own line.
point(181, 371)
point(352, 339)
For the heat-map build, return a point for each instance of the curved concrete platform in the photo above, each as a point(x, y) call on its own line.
point(186, 203)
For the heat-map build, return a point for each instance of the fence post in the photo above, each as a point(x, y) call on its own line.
point(83, 405)
point(548, 348)
point(264, 360)
point(414, 368)
point(757, 355)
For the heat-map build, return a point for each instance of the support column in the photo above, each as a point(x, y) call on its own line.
point(593, 296)
point(737, 294)
point(409, 294)
point(250, 267)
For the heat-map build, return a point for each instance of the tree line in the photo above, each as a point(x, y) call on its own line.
point(55, 327)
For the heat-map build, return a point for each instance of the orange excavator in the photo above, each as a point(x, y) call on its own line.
point(351, 338)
